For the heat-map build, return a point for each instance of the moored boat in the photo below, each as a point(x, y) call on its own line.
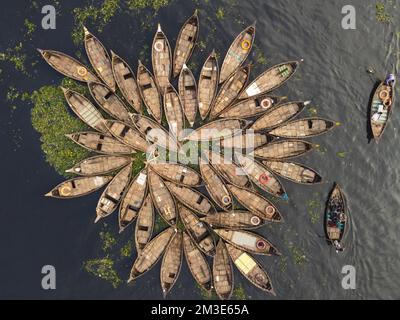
point(303, 128)
point(68, 66)
point(185, 43)
point(217, 129)
point(173, 111)
point(144, 224)
point(188, 93)
point(99, 59)
point(161, 58)
point(270, 79)
point(176, 173)
point(126, 81)
point(222, 272)
point(98, 165)
point(247, 140)
point(208, 84)
point(284, 149)
point(234, 220)
point(238, 52)
point(79, 187)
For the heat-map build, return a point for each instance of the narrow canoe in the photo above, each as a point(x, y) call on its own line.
point(197, 263)
point(176, 173)
point(208, 84)
point(294, 172)
point(223, 272)
point(185, 43)
point(126, 81)
point(79, 187)
point(198, 231)
point(256, 203)
point(144, 224)
point(149, 92)
point(162, 198)
point(381, 109)
point(171, 263)
point(68, 66)
point(281, 150)
point(85, 110)
point(151, 253)
point(191, 198)
point(154, 132)
point(248, 241)
point(100, 143)
point(229, 91)
point(250, 268)
point(127, 135)
point(251, 107)
point(109, 101)
point(99, 59)
point(303, 128)
point(162, 59)
point(217, 129)
point(247, 141)
point(238, 52)
point(215, 185)
point(132, 200)
point(270, 79)
point(98, 165)
point(234, 220)
point(336, 215)
point(261, 176)
point(174, 112)
point(278, 115)
point(112, 195)
point(188, 93)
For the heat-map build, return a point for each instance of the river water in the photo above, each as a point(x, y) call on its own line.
point(37, 231)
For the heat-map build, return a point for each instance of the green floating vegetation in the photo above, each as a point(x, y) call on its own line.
point(108, 241)
point(127, 250)
point(104, 269)
point(16, 57)
point(341, 154)
point(314, 209)
point(143, 4)
point(220, 14)
point(239, 293)
point(298, 255)
point(30, 27)
point(312, 111)
point(381, 14)
point(206, 295)
point(138, 163)
point(259, 56)
point(159, 224)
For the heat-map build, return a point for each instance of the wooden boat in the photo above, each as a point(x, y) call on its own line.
point(162, 59)
point(171, 263)
point(173, 111)
point(79, 187)
point(154, 132)
point(99, 59)
point(127, 135)
point(238, 52)
point(188, 93)
point(278, 115)
point(176, 173)
point(109, 101)
point(270, 79)
point(191, 198)
point(234, 220)
point(256, 203)
point(261, 176)
point(247, 141)
point(285, 149)
point(229, 91)
point(126, 81)
point(250, 268)
point(100, 143)
point(248, 241)
point(149, 92)
point(133, 200)
point(251, 107)
point(98, 165)
point(336, 217)
point(162, 198)
point(85, 110)
point(294, 172)
point(217, 129)
point(185, 43)
point(144, 224)
point(229, 170)
point(208, 84)
point(197, 263)
point(222, 272)
point(112, 195)
point(303, 128)
point(68, 66)
point(151, 253)
point(198, 231)
point(215, 185)
point(381, 108)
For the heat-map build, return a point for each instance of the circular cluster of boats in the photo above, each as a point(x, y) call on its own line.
point(149, 112)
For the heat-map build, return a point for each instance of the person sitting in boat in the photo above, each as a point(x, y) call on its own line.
point(390, 80)
point(377, 115)
point(338, 246)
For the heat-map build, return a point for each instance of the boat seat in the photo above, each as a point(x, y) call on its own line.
point(147, 130)
point(200, 199)
point(73, 184)
point(147, 86)
point(182, 178)
point(110, 198)
point(143, 228)
point(191, 87)
point(124, 131)
point(108, 95)
point(128, 76)
point(206, 77)
point(133, 208)
point(310, 124)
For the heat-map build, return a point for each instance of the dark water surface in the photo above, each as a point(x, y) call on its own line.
point(36, 231)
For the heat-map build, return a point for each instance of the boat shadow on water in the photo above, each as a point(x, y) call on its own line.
point(368, 127)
